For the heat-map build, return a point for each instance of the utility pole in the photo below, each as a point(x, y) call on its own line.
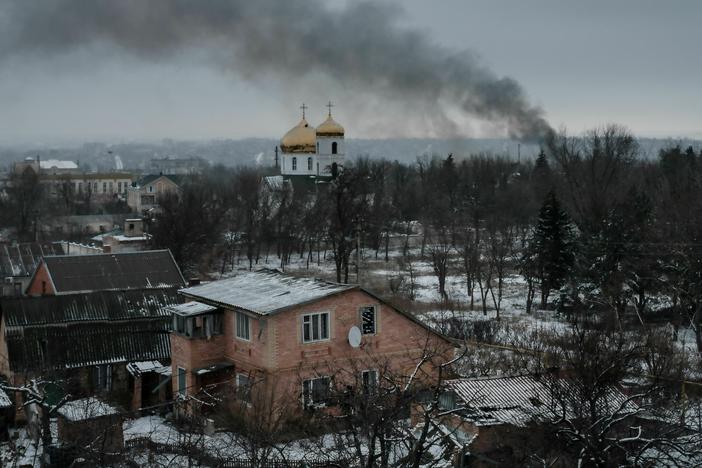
point(519, 153)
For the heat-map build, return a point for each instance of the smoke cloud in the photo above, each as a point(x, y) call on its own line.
point(360, 47)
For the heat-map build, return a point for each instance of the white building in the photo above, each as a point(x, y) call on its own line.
point(309, 151)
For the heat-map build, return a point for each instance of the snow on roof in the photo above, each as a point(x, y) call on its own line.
point(86, 408)
point(190, 308)
point(5, 401)
point(503, 400)
point(264, 291)
point(57, 164)
point(141, 367)
point(520, 400)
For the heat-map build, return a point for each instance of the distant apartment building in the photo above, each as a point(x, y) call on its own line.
point(64, 179)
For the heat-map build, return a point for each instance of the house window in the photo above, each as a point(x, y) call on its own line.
point(104, 187)
point(369, 381)
point(151, 188)
point(119, 187)
point(80, 187)
point(102, 377)
point(243, 327)
point(179, 324)
point(294, 164)
point(95, 187)
point(315, 327)
point(368, 320)
point(213, 324)
point(243, 386)
point(315, 392)
point(181, 381)
point(309, 164)
point(334, 148)
point(112, 187)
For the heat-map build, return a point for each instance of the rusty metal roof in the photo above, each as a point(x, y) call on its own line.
point(22, 259)
point(133, 270)
point(264, 291)
point(88, 307)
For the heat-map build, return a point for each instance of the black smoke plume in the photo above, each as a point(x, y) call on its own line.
point(360, 47)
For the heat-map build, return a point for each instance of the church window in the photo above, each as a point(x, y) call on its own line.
point(334, 148)
point(309, 164)
point(294, 164)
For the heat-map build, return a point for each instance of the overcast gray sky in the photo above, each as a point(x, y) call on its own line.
point(585, 63)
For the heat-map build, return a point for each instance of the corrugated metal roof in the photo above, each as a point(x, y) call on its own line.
point(264, 291)
point(88, 307)
point(190, 308)
point(22, 259)
point(133, 270)
point(66, 346)
point(519, 400)
point(503, 400)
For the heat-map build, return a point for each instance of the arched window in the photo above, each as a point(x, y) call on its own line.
point(309, 164)
point(334, 148)
point(294, 162)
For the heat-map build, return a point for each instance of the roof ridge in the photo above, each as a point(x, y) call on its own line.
point(106, 254)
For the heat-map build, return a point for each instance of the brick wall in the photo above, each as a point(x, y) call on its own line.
point(41, 277)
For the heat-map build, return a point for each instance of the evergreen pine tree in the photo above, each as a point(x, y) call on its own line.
point(553, 246)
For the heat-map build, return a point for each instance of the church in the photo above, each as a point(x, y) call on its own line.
point(312, 152)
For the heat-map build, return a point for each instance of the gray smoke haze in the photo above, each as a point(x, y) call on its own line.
point(361, 47)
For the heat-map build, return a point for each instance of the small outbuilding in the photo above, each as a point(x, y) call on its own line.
point(89, 422)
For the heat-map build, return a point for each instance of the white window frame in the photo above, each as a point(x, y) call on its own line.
point(308, 321)
point(308, 394)
point(375, 319)
point(237, 332)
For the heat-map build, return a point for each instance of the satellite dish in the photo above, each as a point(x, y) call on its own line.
point(355, 337)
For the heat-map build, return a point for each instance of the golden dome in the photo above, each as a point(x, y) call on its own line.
point(330, 128)
point(300, 139)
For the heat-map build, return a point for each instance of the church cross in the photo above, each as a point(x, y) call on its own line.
point(303, 107)
point(329, 106)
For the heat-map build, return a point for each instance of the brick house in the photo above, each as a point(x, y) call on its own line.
point(66, 274)
point(143, 195)
point(293, 336)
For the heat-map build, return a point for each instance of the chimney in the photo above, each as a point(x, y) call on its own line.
point(193, 282)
